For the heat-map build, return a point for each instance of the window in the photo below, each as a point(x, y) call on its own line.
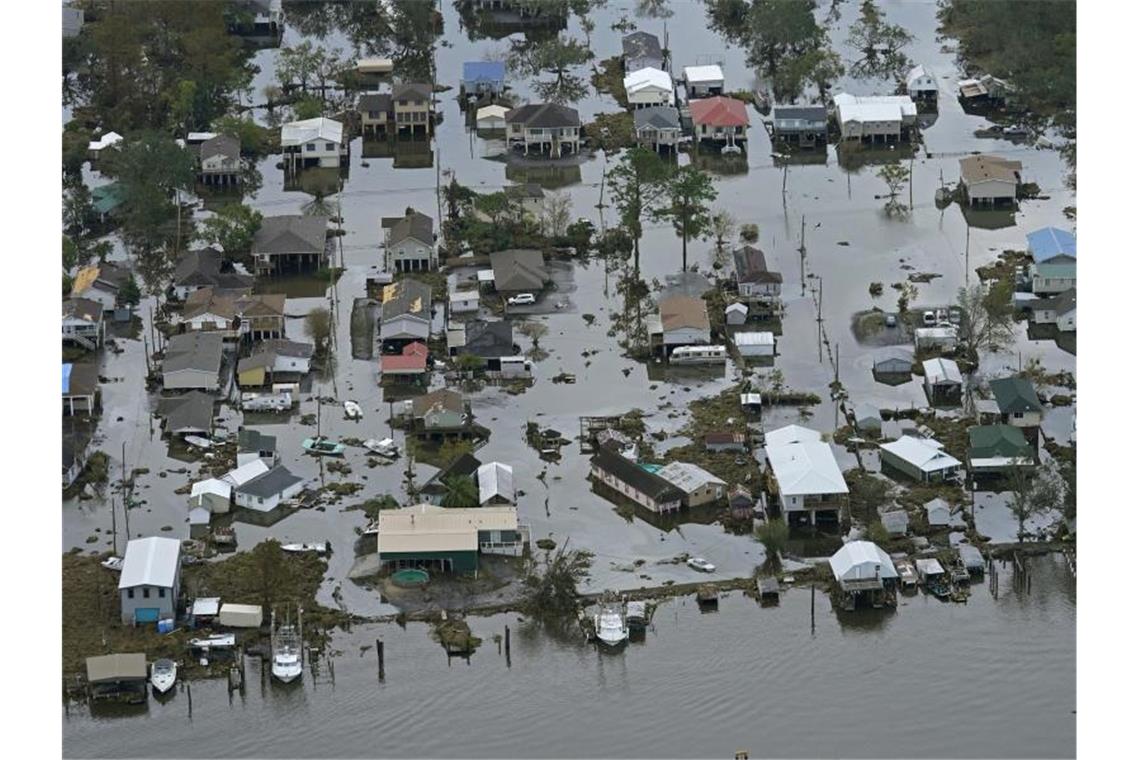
point(146, 593)
point(373, 114)
point(1017, 415)
point(162, 593)
point(130, 593)
point(403, 102)
point(310, 147)
point(330, 146)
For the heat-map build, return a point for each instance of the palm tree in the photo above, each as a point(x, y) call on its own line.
point(461, 492)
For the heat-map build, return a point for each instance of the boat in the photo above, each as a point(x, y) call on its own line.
point(198, 441)
point(610, 624)
point(163, 674)
point(698, 355)
point(214, 641)
point(114, 564)
point(298, 548)
point(384, 447)
point(322, 446)
point(352, 410)
point(908, 578)
point(636, 615)
point(565, 377)
point(286, 654)
point(372, 529)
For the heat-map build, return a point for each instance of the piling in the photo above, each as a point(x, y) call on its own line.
point(189, 702)
point(507, 639)
point(813, 608)
point(379, 660)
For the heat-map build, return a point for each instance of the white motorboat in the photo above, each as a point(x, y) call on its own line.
point(163, 674)
point(114, 564)
point(352, 410)
point(610, 624)
point(286, 654)
point(317, 548)
point(199, 442)
point(384, 447)
point(214, 641)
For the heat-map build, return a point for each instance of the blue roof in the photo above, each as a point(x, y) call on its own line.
point(66, 378)
point(474, 71)
point(1048, 242)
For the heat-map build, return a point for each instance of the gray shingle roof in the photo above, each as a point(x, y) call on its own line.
point(519, 269)
point(640, 45)
point(202, 267)
point(656, 117)
point(414, 225)
point(291, 234)
point(489, 339)
point(221, 145)
point(411, 91)
point(407, 296)
point(255, 440)
point(201, 351)
point(634, 476)
point(751, 266)
point(543, 115)
point(375, 101)
point(191, 412)
point(269, 483)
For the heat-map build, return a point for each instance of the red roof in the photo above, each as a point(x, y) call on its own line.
point(719, 112)
point(412, 359)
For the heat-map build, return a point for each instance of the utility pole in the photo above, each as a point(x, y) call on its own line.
point(803, 256)
point(819, 319)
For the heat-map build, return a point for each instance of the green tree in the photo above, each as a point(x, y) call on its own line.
point(895, 176)
point(271, 572)
point(558, 57)
point(535, 331)
point(872, 35)
point(688, 192)
point(984, 322)
point(308, 107)
point(774, 536)
point(70, 254)
point(232, 227)
point(255, 139)
point(318, 326)
point(550, 586)
point(555, 216)
point(638, 183)
point(297, 66)
point(778, 29)
point(1034, 493)
point(129, 294)
point(468, 363)
point(461, 491)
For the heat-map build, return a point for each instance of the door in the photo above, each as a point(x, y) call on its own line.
point(146, 615)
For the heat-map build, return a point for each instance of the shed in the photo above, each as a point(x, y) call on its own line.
point(722, 441)
point(921, 459)
point(862, 566)
point(491, 117)
point(943, 381)
point(868, 418)
point(928, 567)
point(212, 494)
point(941, 338)
point(755, 343)
point(896, 522)
point(118, 676)
point(199, 522)
point(205, 608)
point(937, 513)
point(971, 558)
point(703, 81)
point(893, 363)
point(496, 483)
point(240, 616)
point(736, 314)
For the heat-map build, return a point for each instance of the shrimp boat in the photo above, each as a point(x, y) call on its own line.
point(321, 446)
point(286, 654)
point(163, 674)
point(610, 624)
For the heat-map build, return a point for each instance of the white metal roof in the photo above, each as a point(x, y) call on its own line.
point(150, 561)
point(199, 516)
point(200, 136)
point(791, 434)
point(865, 410)
point(937, 505)
point(928, 566)
point(861, 560)
point(211, 486)
point(428, 528)
point(874, 108)
point(939, 370)
point(496, 479)
point(935, 332)
point(239, 476)
point(206, 606)
point(915, 74)
point(712, 73)
point(754, 339)
point(751, 399)
point(924, 453)
point(806, 468)
point(688, 477)
point(491, 112)
point(737, 306)
point(106, 141)
point(648, 77)
point(320, 128)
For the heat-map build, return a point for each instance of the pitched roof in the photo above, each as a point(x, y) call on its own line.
point(412, 225)
point(413, 358)
point(645, 77)
point(940, 370)
point(998, 441)
point(519, 269)
point(203, 266)
point(306, 130)
point(656, 117)
point(495, 479)
point(221, 145)
point(82, 308)
point(465, 465)
point(489, 339)
point(406, 297)
point(543, 115)
point(411, 91)
point(861, 108)
point(640, 45)
point(792, 117)
point(283, 347)
point(1015, 394)
point(484, 71)
point(653, 486)
point(709, 73)
point(791, 434)
point(1049, 242)
point(491, 112)
point(861, 560)
point(150, 561)
point(442, 399)
point(291, 234)
point(255, 440)
point(806, 468)
point(752, 267)
point(116, 667)
point(984, 168)
point(192, 412)
point(80, 379)
point(679, 312)
point(212, 486)
point(200, 351)
point(924, 453)
point(269, 483)
point(719, 111)
point(915, 74)
point(106, 198)
point(688, 477)
point(239, 476)
point(1062, 303)
point(375, 101)
point(105, 276)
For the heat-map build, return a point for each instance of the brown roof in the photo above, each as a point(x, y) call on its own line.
point(982, 168)
point(716, 438)
point(442, 398)
point(684, 311)
point(83, 308)
point(209, 301)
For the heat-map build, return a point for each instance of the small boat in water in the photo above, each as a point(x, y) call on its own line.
point(352, 410)
point(384, 447)
point(636, 615)
point(214, 641)
point(610, 625)
point(298, 548)
point(322, 446)
point(163, 674)
point(198, 442)
point(114, 564)
point(908, 578)
point(286, 654)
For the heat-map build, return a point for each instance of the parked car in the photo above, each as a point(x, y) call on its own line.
point(522, 299)
point(702, 564)
point(891, 320)
point(929, 319)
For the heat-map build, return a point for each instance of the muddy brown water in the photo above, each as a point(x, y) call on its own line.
point(839, 207)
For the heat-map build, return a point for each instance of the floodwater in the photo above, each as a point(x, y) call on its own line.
point(726, 668)
point(991, 678)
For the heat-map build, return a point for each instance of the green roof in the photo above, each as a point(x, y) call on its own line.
point(1015, 394)
point(107, 198)
point(988, 441)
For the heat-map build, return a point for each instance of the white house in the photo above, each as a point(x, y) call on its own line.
point(989, 180)
point(809, 484)
point(648, 87)
point(876, 118)
point(314, 142)
point(150, 579)
point(920, 85)
point(496, 484)
point(266, 491)
point(941, 338)
point(254, 445)
point(242, 474)
point(861, 566)
point(703, 81)
point(83, 322)
point(1059, 310)
point(409, 242)
point(212, 494)
point(463, 301)
point(791, 434)
point(491, 117)
point(919, 458)
point(755, 344)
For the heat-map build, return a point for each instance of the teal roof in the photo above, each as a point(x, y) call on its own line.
point(1015, 394)
point(988, 441)
point(107, 198)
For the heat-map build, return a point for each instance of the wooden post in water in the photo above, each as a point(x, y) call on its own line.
point(189, 702)
point(803, 256)
point(813, 608)
point(507, 639)
point(379, 660)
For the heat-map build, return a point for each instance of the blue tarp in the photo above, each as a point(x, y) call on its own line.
point(66, 378)
point(1049, 242)
point(483, 71)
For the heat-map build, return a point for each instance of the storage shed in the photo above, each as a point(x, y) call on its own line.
point(920, 459)
point(118, 676)
point(862, 566)
point(735, 314)
point(240, 616)
point(755, 344)
point(943, 381)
